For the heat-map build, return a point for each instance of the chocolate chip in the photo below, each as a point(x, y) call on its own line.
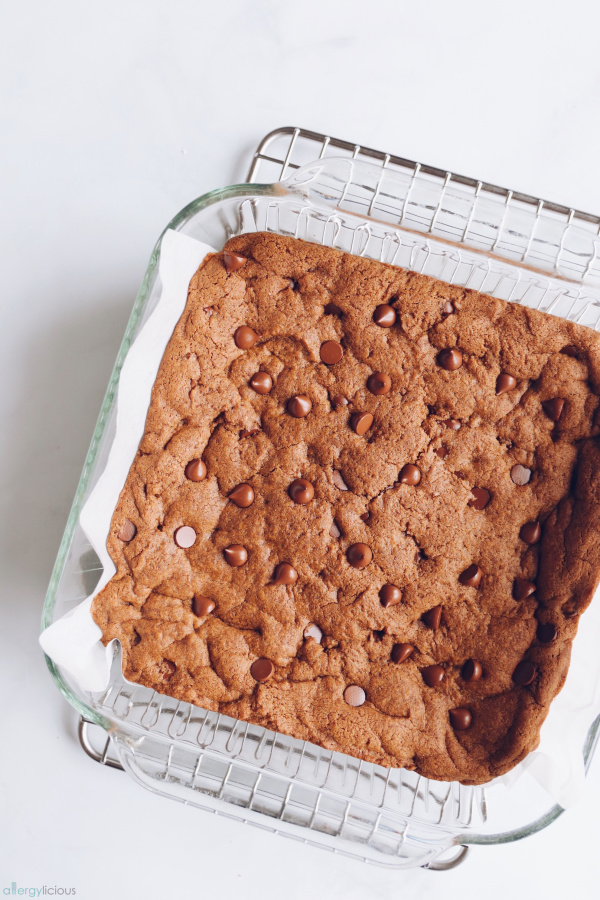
point(522, 589)
point(127, 531)
point(202, 606)
point(454, 424)
point(195, 470)
point(185, 537)
point(332, 309)
point(471, 671)
point(313, 631)
point(331, 352)
point(531, 532)
point(338, 480)
point(262, 669)
point(505, 383)
point(285, 574)
point(338, 400)
point(361, 422)
point(433, 617)
point(334, 531)
point(401, 652)
point(379, 383)
point(450, 359)
point(520, 474)
point(433, 675)
point(301, 490)
point(471, 577)
point(390, 595)
point(553, 408)
point(524, 673)
point(442, 452)
point(447, 308)
point(384, 315)
point(354, 695)
point(460, 718)
point(481, 498)
point(366, 517)
point(299, 406)
point(233, 261)
point(546, 632)
point(235, 555)
point(245, 337)
point(409, 474)
point(359, 555)
point(242, 496)
point(261, 382)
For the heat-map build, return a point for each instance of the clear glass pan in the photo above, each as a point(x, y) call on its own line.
point(465, 234)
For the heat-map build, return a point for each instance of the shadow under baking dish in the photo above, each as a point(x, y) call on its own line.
point(460, 232)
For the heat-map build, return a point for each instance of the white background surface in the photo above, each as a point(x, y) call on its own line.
point(113, 116)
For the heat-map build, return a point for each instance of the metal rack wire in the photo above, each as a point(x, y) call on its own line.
point(289, 148)
point(548, 237)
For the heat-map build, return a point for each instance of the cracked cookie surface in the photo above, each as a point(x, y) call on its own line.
point(360, 514)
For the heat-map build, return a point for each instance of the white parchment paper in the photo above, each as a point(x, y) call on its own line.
point(73, 641)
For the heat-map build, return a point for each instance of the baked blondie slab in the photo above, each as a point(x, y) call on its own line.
point(365, 510)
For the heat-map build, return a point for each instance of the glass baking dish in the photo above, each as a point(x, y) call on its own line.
point(462, 232)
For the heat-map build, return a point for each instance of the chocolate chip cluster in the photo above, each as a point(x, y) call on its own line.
point(372, 493)
point(360, 555)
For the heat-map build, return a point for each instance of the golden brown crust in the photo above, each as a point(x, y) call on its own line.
point(422, 536)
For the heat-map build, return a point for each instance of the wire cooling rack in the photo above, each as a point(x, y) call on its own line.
point(349, 798)
point(282, 151)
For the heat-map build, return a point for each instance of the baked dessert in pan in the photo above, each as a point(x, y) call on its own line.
point(364, 512)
